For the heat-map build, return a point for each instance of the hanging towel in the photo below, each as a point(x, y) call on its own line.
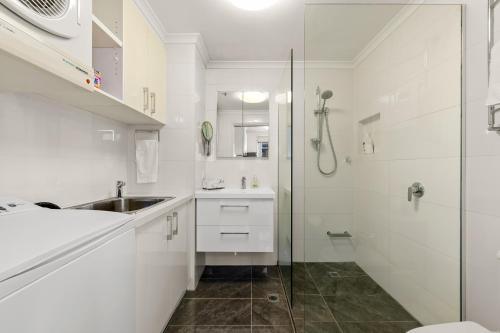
point(494, 88)
point(146, 155)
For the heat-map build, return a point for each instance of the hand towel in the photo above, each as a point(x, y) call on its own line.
point(146, 154)
point(494, 87)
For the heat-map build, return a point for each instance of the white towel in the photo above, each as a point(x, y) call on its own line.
point(146, 155)
point(494, 88)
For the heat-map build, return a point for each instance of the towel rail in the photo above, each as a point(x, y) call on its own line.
point(493, 109)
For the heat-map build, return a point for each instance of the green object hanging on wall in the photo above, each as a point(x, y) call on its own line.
point(207, 133)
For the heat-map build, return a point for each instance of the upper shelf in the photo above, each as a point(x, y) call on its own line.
point(102, 36)
point(48, 74)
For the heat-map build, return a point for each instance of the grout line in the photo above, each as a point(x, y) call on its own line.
point(287, 300)
point(324, 302)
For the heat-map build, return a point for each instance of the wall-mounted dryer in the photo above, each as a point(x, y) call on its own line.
point(59, 17)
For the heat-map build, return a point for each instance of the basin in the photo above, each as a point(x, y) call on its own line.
point(127, 205)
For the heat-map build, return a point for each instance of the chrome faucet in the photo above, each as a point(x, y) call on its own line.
point(243, 183)
point(119, 186)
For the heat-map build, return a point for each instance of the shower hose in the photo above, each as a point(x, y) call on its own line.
point(334, 169)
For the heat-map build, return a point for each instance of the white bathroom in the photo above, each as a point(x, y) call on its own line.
point(249, 166)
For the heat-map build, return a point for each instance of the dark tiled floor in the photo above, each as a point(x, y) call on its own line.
point(234, 299)
point(341, 297)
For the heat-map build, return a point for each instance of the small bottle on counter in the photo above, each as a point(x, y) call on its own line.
point(255, 182)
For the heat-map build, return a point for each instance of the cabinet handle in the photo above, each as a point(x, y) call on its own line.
point(176, 223)
point(235, 233)
point(153, 103)
point(145, 91)
point(234, 206)
point(169, 228)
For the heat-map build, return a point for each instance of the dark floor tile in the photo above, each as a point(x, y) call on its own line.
point(272, 329)
point(359, 285)
point(374, 327)
point(228, 272)
point(303, 283)
point(261, 288)
point(309, 327)
point(217, 288)
point(208, 329)
point(312, 308)
point(339, 269)
point(212, 312)
point(360, 308)
point(265, 272)
point(270, 314)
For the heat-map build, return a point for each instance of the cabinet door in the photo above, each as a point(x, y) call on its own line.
point(135, 57)
point(157, 73)
point(153, 269)
point(177, 248)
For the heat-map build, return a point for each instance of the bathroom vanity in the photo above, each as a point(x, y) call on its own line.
point(234, 220)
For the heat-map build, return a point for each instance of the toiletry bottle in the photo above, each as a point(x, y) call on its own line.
point(255, 182)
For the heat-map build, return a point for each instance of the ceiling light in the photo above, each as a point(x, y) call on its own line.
point(253, 4)
point(252, 97)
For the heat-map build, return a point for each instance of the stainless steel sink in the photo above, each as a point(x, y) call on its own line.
point(127, 205)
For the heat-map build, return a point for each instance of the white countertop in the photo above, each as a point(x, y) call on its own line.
point(235, 193)
point(147, 215)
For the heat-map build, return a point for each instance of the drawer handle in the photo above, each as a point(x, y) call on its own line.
point(235, 233)
point(234, 206)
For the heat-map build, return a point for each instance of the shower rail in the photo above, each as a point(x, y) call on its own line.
point(493, 109)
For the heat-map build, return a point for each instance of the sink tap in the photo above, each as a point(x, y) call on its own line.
point(243, 183)
point(119, 186)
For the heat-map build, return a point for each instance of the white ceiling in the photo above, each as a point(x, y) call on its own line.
point(341, 32)
point(232, 34)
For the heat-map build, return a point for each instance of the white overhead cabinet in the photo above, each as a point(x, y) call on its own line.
point(161, 268)
point(144, 64)
point(125, 50)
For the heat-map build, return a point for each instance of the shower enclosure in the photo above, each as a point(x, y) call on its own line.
point(376, 238)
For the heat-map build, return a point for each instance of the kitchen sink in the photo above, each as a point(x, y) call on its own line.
point(127, 205)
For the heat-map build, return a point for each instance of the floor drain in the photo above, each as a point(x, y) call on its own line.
point(333, 274)
point(273, 298)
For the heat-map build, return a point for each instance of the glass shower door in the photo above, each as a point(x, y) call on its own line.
point(284, 103)
point(382, 166)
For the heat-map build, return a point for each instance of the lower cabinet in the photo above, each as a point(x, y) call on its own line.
point(234, 225)
point(161, 269)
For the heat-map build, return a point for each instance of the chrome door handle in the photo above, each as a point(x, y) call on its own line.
point(416, 190)
point(175, 216)
point(234, 206)
point(145, 92)
point(169, 228)
point(153, 103)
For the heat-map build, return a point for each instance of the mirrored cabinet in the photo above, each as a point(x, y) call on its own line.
point(243, 124)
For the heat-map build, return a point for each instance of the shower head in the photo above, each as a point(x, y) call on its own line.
point(327, 94)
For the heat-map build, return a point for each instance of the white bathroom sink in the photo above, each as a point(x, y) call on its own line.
point(235, 193)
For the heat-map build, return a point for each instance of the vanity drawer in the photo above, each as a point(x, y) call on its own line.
point(235, 212)
point(234, 239)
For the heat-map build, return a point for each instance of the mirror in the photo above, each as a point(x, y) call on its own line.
point(243, 124)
